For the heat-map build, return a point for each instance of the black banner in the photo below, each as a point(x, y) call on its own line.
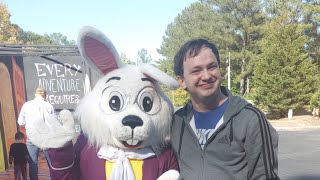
point(61, 76)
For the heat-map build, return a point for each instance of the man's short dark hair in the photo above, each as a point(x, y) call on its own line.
point(191, 49)
point(19, 136)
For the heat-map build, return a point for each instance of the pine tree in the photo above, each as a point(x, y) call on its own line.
point(284, 75)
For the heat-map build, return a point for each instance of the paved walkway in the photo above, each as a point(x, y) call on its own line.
point(43, 170)
point(299, 154)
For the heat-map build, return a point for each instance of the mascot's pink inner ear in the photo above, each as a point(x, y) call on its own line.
point(100, 55)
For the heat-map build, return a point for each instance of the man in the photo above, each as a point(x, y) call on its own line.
point(36, 109)
point(217, 135)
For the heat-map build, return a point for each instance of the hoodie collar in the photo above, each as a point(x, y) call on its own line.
point(236, 104)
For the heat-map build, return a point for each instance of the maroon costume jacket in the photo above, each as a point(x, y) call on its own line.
point(87, 165)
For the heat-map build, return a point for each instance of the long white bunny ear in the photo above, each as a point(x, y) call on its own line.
point(159, 76)
point(97, 50)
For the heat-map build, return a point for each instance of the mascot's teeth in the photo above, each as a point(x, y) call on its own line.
point(132, 142)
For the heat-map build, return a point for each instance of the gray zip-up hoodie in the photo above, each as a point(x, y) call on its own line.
point(244, 147)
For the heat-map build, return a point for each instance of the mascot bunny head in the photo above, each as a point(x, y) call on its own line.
point(127, 108)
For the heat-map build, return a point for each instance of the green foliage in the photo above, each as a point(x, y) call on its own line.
point(144, 56)
point(166, 66)
point(180, 98)
point(284, 75)
point(242, 26)
point(312, 17)
point(233, 25)
point(48, 39)
point(124, 58)
point(196, 21)
point(37, 39)
point(315, 99)
point(9, 33)
point(59, 39)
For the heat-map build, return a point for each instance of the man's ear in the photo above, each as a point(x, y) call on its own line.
point(181, 82)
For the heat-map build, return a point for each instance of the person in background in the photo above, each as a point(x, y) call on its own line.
point(18, 154)
point(217, 135)
point(35, 109)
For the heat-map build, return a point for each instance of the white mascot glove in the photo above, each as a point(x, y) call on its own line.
point(170, 175)
point(54, 132)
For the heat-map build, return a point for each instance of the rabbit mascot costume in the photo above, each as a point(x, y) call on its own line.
point(125, 122)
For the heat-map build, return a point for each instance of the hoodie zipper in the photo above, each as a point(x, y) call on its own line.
point(195, 138)
point(209, 140)
point(202, 165)
point(212, 137)
point(203, 151)
point(224, 124)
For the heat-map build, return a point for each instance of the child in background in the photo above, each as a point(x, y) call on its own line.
point(19, 155)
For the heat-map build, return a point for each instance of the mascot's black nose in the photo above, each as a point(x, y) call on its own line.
point(132, 121)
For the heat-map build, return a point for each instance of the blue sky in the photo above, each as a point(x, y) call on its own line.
point(129, 24)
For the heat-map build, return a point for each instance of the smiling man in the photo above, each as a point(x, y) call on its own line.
point(218, 135)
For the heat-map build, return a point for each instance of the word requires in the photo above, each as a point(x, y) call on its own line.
point(63, 99)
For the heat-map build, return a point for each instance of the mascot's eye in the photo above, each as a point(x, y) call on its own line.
point(112, 100)
point(147, 104)
point(149, 100)
point(115, 103)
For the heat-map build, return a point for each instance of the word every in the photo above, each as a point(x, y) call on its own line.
point(57, 70)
